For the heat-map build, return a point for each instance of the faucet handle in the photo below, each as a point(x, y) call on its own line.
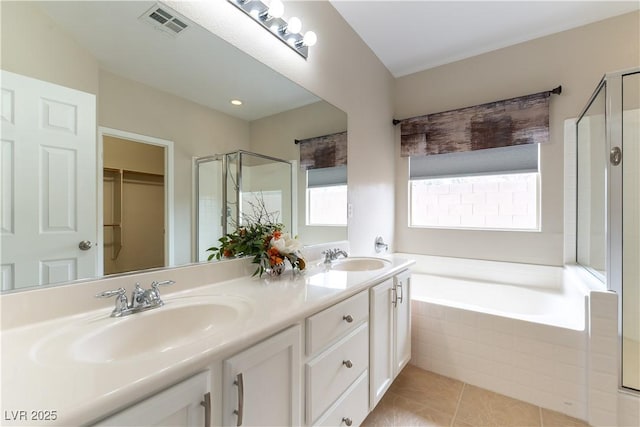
point(153, 294)
point(155, 284)
point(121, 300)
point(112, 293)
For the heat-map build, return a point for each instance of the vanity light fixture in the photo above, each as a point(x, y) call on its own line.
point(269, 15)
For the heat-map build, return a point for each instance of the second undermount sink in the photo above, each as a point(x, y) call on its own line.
point(179, 322)
point(359, 264)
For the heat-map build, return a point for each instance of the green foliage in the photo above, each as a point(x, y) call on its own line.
point(255, 240)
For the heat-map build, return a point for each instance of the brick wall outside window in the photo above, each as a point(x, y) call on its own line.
point(486, 202)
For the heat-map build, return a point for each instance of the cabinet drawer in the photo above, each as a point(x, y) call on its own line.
point(326, 326)
point(352, 406)
point(329, 374)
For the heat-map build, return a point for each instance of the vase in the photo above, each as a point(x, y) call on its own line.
point(275, 270)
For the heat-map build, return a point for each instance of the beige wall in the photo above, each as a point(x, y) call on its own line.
point(342, 70)
point(575, 59)
point(33, 46)
point(120, 153)
point(275, 135)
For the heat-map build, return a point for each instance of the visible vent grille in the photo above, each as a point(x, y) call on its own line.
point(166, 21)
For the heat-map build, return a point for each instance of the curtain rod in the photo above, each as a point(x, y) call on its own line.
point(298, 141)
point(554, 91)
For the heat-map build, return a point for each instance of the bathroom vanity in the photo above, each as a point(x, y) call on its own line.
point(319, 348)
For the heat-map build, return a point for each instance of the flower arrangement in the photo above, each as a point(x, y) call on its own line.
point(263, 239)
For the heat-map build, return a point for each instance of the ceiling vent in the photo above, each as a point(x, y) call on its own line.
point(165, 20)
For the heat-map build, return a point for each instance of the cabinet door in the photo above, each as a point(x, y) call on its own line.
point(183, 404)
point(381, 340)
point(402, 319)
point(262, 384)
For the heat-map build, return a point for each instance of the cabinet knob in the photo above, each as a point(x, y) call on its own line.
point(348, 318)
point(348, 364)
point(347, 421)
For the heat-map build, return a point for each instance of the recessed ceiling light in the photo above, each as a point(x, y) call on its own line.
point(236, 102)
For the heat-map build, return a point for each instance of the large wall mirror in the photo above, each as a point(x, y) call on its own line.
point(146, 92)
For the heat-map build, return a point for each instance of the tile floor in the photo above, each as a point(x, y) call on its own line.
point(422, 398)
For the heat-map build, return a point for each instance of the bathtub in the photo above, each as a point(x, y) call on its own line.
point(554, 306)
point(518, 330)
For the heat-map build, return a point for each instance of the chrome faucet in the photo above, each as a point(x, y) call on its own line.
point(141, 299)
point(333, 254)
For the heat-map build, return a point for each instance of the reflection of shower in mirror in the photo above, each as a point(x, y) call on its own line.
point(229, 187)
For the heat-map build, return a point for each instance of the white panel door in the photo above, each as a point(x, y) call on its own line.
point(48, 161)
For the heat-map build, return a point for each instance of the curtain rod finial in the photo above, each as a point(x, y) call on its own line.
point(395, 121)
point(557, 91)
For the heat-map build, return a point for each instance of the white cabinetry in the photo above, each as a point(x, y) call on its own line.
point(381, 340)
point(390, 336)
point(185, 404)
point(402, 318)
point(337, 370)
point(261, 385)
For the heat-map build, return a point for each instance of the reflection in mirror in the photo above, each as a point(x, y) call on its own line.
point(135, 77)
point(234, 188)
point(591, 210)
point(133, 188)
point(277, 135)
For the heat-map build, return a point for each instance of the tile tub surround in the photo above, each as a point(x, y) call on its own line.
point(540, 364)
point(98, 389)
point(423, 398)
point(565, 369)
point(537, 357)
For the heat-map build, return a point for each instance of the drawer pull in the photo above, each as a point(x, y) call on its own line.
point(347, 363)
point(348, 318)
point(206, 402)
point(240, 411)
point(347, 421)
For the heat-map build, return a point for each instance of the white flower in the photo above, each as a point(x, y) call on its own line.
point(286, 244)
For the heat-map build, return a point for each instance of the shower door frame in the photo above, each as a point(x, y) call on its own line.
point(238, 188)
point(612, 83)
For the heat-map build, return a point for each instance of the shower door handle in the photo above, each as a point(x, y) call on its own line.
point(615, 156)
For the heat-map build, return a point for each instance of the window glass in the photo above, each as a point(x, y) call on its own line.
point(485, 189)
point(327, 205)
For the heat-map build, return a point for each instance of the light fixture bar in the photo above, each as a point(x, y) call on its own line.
point(258, 10)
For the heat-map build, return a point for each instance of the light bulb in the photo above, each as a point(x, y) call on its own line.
point(294, 25)
point(276, 9)
point(309, 38)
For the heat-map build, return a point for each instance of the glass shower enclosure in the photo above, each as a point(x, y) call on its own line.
point(608, 204)
point(231, 187)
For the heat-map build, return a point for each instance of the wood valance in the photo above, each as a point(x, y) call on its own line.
point(323, 151)
point(515, 121)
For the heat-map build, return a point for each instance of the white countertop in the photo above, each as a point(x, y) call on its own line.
point(39, 373)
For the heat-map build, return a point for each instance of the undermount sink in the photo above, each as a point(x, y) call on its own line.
point(179, 322)
point(359, 264)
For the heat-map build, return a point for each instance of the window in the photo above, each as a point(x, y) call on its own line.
point(496, 188)
point(327, 196)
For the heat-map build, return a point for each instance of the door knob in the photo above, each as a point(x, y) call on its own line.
point(85, 245)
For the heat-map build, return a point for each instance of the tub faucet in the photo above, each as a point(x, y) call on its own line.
point(333, 254)
point(141, 299)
